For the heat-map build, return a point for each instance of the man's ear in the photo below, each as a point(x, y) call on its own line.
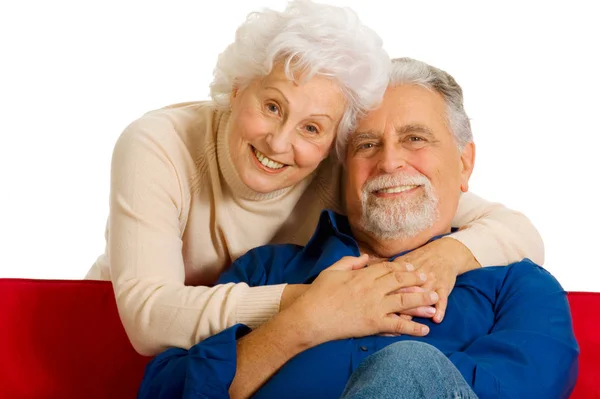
point(467, 162)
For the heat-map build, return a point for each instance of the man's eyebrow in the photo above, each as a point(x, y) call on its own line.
point(414, 128)
point(366, 135)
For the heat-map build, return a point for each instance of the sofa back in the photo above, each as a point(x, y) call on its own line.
point(63, 339)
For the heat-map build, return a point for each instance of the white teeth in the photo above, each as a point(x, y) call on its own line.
point(268, 162)
point(397, 189)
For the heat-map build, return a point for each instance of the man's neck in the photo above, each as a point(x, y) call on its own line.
point(378, 248)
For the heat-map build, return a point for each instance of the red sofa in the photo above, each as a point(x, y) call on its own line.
point(63, 339)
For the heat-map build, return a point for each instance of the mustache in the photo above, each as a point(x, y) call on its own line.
point(386, 181)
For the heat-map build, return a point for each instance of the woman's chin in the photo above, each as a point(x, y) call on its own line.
point(266, 184)
point(265, 187)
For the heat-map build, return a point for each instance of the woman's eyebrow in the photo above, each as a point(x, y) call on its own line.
point(280, 92)
point(322, 115)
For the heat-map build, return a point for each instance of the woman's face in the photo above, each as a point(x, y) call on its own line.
point(280, 131)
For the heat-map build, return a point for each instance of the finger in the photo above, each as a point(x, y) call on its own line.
point(350, 263)
point(404, 316)
point(400, 303)
point(440, 307)
point(425, 312)
point(399, 325)
point(405, 290)
point(409, 267)
point(394, 281)
point(429, 284)
point(380, 269)
point(394, 315)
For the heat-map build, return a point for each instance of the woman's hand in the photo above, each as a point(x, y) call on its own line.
point(291, 292)
point(351, 300)
point(442, 260)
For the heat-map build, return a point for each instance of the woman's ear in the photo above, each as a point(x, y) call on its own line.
point(233, 94)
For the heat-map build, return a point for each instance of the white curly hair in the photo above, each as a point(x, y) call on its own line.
point(315, 39)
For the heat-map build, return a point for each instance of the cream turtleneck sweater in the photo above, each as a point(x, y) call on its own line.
point(179, 215)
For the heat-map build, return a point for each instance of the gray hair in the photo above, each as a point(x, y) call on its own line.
point(314, 39)
point(409, 71)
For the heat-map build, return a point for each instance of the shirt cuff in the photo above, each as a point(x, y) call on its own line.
point(258, 304)
point(212, 364)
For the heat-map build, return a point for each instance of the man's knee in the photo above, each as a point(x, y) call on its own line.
point(414, 368)
point(408, 353)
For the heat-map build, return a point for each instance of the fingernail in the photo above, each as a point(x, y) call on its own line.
point(430, 311)
point(422, 276)
point(424, 330)
point(409, 267)
point(434, 296)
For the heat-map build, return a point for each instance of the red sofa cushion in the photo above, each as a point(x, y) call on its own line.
point(64, 339)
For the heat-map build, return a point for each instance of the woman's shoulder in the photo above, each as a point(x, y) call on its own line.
point(182, 120)
point(177, 137)
point(184, 129)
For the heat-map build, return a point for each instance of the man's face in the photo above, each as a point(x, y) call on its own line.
point(404, 169)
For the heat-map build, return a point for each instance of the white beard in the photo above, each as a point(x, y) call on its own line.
point(395, 218)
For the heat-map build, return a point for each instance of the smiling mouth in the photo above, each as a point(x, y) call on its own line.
point(267, 162)
point(396, 189)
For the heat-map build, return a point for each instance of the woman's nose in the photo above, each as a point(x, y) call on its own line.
point(280, 140)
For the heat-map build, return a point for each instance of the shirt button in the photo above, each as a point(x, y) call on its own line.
point(364, 348)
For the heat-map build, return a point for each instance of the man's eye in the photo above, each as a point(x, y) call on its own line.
point(273, 108)
point(415, 139)
point(366, 146)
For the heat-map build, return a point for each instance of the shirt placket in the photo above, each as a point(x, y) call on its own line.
point(363, 347)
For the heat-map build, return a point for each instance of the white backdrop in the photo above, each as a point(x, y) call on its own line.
point(73, 74)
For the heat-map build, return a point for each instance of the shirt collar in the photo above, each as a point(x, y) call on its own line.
point(332, 223)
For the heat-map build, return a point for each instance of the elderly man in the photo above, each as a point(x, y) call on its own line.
point(507, 331)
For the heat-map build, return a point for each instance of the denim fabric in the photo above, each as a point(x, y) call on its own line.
point(407, 369)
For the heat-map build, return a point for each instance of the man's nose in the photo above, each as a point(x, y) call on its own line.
point(392, 158)
point(280, 139)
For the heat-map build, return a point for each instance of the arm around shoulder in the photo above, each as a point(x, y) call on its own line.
point(495, 234)
point(148, 213)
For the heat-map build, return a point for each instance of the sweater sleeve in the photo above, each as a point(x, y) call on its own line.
point(494, 234)
point(147, 201)
point(531, 351)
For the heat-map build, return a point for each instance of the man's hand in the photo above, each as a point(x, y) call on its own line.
point(351, 300)
point(442, 260)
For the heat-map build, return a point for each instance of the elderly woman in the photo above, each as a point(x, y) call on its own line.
point(196, 185)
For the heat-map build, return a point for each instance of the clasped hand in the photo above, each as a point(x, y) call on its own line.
point(349, 299)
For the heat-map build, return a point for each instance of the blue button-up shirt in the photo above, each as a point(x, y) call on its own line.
point(507, 329)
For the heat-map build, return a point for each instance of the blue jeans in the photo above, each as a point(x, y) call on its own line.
point(407, 369)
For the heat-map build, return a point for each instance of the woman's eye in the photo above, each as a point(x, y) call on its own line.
point(366, 146)
point(415, 139)
point(273, 108)
point(312, 129)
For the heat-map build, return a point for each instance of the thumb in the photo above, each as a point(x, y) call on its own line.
point(350, 263)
